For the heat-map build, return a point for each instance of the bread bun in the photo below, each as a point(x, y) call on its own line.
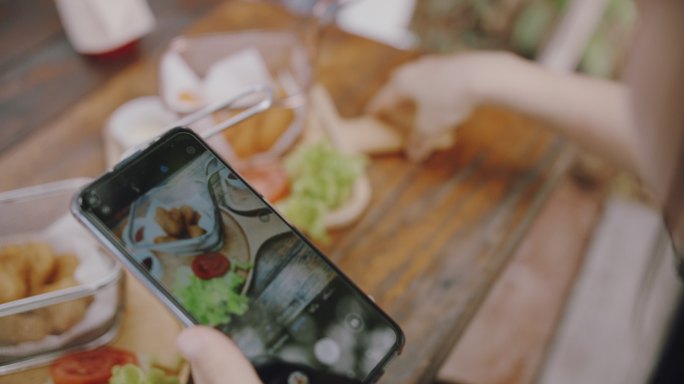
point(353, 207)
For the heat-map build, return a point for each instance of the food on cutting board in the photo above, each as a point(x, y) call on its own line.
point(402, 120)
point(108, 365)
point(317, 187)
point(321, 180)
point(178, 223)
point(33, 269)
point(269, 178)
point(362, 134)
point(185, 87)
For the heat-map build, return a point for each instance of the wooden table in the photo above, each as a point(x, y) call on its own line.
point(436, 234)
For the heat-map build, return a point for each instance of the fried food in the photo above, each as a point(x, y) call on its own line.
point(12, 260)
point(190, 216)
point(166, 221)
point(42, 264)
point(23, 327)
point(164, 239)
point(33, 269)
point(196, 231)
point(178, 224)
point(258, 133)
point(66, 265)
point(65, 315)
point(12, 286)
point(14, 270)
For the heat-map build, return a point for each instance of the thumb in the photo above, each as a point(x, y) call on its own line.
point(214, 358)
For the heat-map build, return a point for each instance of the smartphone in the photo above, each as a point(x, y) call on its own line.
point(216, 253)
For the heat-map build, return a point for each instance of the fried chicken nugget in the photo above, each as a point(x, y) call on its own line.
point(196, 231)
point(66, 267)
point(42, 264)
point(33, 269)
point(23, 327)
point(176, 215)
point(164, 239)
point(14, 269)
point(12, 259)
point(190, 216)
point(166, 221)
point(65, 315)
point(12, 286)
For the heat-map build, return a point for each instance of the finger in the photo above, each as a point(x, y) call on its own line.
point(421, 140)
point(419, 149)
point(432, 131)
point(399, 88)
point(214, 358)
point(388, 96)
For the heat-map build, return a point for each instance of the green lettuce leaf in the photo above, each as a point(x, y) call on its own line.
point(132, 374)
point(322, 178)
point(213, 301)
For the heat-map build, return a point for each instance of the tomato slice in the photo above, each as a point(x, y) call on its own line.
point(139, 235)
point(210, 265)
point(89, 367)
point(269, 179)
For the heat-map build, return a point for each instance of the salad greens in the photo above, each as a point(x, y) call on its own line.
point(213, 301)
point(132, 374)
point(322, 178)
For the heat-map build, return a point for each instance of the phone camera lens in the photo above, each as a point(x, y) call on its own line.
point(94, 200)
point(106, 210)
point(164, 168)
point(190, 150)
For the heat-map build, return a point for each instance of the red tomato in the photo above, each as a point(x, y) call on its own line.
point(139, 234)
point(270, 180)
point(89, 367)
point(210, 265)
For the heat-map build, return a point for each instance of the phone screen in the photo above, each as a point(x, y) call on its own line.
point(214, 248)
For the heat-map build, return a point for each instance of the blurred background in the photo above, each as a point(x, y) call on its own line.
point(589, 293)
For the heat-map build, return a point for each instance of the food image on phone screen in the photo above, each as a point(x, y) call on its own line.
point(211, 245)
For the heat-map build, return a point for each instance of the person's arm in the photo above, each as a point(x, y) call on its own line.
point(592, 112)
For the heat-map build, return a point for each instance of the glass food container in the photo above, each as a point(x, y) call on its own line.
point(36, 329)
point(144, 228)
point(200, 69)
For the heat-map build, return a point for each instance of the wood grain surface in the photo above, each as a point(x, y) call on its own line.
point(41, 75)
point(507, 340)
point(436, 235)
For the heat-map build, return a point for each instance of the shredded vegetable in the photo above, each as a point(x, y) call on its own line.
point(213, 301)
point(322, 178)
point(132, 374)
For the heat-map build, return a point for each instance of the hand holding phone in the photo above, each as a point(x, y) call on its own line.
point(210, 248)
point(213, 357)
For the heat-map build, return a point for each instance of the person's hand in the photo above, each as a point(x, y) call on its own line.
point(445, 90)
point(214, 358)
